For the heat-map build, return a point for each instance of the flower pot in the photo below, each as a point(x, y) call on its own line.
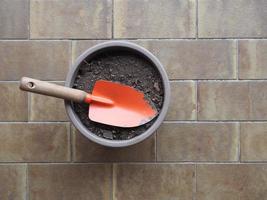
point(110, 47)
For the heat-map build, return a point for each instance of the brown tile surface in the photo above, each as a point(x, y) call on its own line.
point(253, 141)
point(68, 182)
point(71, 19)
point(87, 151)
point(252, 59)
point(12, 182)
point(183, 101)
point(231, 182)
point(48, 60)
point(27, 142)
point(79, 46)
point(14, 103)
point(154, 19)
point(185, 59)
point(223, 101)
point(152, 182)
point(200, 59)
point(14, 18)
point(244, 100)
point(257, 92)
point(198, 142)
point(223, 19)
point(44, 108)
point(214, 122)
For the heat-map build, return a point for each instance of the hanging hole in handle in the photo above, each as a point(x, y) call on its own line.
point(31, 85)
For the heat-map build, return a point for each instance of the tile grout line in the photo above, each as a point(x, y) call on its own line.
point(17, 81)
point(216, 121)
point(133, 39)
point(212, 121)
point(218, 80)
point(191, 162)
point(34, 122)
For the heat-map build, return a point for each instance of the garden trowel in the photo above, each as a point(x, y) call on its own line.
point(111, 103)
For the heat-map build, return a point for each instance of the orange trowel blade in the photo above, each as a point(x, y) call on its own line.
point(129, 108)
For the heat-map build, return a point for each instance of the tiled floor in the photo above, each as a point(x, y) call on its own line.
point(213, 143)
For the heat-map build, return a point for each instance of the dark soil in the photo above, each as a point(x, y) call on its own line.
point(126, 68)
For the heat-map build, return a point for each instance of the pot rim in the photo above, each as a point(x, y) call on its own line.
point(166, 86)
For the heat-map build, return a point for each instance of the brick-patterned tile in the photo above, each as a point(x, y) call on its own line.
point(245, 100)
point(47, 60)
point(79, 46)
point(257, 92)
point(223, 101)
point(153, 181)
point(185, 59)
point(183, 101)
point(14, 18)
point(87, 151)
point(200, 59)
point(227, 18)
point(252, 59)
point(12, 182)
point(64, 164)
point(45, 108)
point(154, 19)
point(198, 142)
point(231, 182)
point(27, 142)
point(14, 103)
point(253, 141)
point(71, 19)
point(69, 181)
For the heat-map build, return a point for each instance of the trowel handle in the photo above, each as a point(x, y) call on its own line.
point(50, 89)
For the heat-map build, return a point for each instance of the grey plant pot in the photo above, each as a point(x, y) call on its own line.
point(109, 46)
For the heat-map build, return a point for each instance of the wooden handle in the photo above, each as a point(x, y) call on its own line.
point(50, 89)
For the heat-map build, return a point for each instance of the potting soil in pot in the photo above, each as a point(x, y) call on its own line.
point(126, 68)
